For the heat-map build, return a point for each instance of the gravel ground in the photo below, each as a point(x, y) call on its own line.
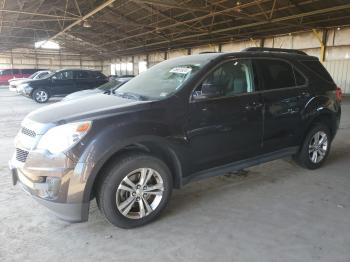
point(276, 212)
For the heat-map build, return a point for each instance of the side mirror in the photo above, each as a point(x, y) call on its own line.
point(208, 90)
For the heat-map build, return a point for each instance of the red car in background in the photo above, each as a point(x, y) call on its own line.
point(7, 74)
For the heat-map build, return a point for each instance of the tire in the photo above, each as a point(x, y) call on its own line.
point(310, 148)
point(40, 95)
point(116, 195)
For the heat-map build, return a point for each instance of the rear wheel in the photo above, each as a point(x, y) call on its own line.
point(315, 148)
point(134, 190)
point(40, 95)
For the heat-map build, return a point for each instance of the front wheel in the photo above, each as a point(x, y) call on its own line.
point(40, 95)
point(315, 149)
point(134, 191)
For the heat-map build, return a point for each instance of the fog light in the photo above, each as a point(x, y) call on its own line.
point(53, 186)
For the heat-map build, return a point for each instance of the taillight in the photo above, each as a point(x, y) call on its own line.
point(338, 94)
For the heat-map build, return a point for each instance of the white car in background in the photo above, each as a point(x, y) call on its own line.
point(15, 82)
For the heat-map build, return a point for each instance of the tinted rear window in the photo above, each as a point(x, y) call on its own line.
point(319, 69)
point(276, 73)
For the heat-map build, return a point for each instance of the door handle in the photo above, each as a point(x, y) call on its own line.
point(254, 106)
point(305, 93)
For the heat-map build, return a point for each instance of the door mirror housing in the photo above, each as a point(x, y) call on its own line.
point(208, 90)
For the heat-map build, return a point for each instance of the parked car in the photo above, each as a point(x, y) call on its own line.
point(184, 119)
point(14, 82)
point(106, 88)
point(61, 83)
point(7, 74)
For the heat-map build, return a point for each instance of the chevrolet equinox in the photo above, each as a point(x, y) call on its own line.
point(182, 120)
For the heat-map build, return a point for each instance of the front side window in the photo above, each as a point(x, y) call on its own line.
point(43, 74)
point(64, 75)
point(33, 75)
point(276, 74)
point(229, 79)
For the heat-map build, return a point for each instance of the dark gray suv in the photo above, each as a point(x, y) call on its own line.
point(184, 119)
point(61, 83)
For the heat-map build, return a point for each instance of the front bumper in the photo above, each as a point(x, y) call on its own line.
point(72, 212)
point(55, 181)
point(12, 88)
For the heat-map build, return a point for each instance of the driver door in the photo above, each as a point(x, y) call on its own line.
point(225, 125)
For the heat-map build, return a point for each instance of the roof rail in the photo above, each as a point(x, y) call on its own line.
point(266, 49)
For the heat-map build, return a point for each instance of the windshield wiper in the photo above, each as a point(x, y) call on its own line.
point(129, 95)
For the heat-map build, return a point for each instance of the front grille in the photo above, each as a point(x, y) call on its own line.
point(28, 132)
point(21, 155)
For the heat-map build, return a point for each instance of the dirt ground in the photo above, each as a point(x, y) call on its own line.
point(277, 212)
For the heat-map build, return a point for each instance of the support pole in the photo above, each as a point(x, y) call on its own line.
point(322, 40)
point(262, 42)
point(11, 60)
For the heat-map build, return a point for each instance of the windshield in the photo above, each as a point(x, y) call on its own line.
point(109, 85)
point(165, 78)
point(49, 74)
point(33, 75)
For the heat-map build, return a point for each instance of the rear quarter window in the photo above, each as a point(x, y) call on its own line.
point(318, 69)
point(97, 75)
point(299, 78)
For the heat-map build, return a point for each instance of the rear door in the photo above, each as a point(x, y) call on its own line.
point(63, 83)
point(83, 80)
point(228, 127)
point(284, 94)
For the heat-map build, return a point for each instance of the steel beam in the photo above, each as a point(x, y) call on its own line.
point(91, 13)
point(276, 20)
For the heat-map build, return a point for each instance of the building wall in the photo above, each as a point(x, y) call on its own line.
point(29, 58)
point(337, 55)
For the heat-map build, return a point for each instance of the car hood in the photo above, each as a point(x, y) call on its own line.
point(17, 79)
point(90, 107)
point(82, 93)
point(21, 81)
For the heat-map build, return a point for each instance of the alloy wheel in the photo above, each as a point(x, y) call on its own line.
point(318, 147)
point(139, 193)
point(41, 96)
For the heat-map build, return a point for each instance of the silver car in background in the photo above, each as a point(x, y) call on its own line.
point(14, 83)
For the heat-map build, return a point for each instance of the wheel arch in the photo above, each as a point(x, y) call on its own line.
point(150, 146)
point(324, 116)
point(322, 109)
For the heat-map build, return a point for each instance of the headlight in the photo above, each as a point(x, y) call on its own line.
point(22, 86)
point(61, 138)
